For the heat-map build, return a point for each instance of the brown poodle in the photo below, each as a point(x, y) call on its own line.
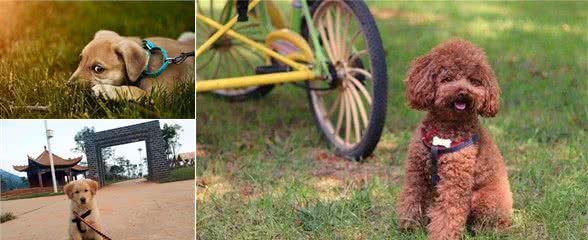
point(454, 172)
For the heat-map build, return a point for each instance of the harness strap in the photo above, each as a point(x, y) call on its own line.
point(77, 220)
point(436, 151)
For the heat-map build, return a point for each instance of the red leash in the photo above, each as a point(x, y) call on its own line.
point(92, 227)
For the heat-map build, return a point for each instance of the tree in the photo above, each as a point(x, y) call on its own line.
point(171, 136)
point(24, 180)
point(80, 139)
point(116, 170)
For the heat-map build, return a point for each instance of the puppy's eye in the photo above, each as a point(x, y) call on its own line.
point(97, 68)
point(77, 192)
point(476, 82)
point(447, 79)
point(86, 190)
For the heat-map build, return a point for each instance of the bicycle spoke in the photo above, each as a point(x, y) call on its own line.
point(338, 30)
point(206, 62)
point(344, 34)
point(354, 114)
point(361, 71)
point(357, 56)
point(238, 66)
point(220, 58)
point(333, 107)
point(325, 40)
point(331, 35)
point(199, 8)
point(361, 88)
point(255, 53)
point(211, 9)
point(245, 26)
point(359, 102)
point(340, 118)
point(244, 58)
point(347, 116)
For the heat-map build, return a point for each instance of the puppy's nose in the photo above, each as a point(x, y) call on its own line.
point(83, 199)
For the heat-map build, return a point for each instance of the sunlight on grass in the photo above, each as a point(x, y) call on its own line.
point(40, 49)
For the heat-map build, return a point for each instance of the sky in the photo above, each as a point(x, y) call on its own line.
point(22, 137)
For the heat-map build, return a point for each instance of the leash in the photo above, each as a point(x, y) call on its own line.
point(165, 61)
point(79, 219)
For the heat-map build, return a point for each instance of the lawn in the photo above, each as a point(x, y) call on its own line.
point(181, 174)
point(268, 175)
point(40, 43)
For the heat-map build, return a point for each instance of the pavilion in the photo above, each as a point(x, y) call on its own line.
point(39, 169)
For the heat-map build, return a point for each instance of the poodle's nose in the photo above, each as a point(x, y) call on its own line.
point(83, 200)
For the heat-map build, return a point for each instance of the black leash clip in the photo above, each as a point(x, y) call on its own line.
point(181, 58)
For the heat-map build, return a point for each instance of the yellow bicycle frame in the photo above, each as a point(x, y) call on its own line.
point(301, 72)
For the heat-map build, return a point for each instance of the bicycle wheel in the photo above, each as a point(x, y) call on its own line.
point(228, 57)
point(350, 110)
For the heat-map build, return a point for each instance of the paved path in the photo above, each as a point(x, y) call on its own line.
point(134, 209)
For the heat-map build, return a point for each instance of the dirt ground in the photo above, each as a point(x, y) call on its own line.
point(134, 209)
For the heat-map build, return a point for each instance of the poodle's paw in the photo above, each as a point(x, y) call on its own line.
point(408, 224)
point(410, 217)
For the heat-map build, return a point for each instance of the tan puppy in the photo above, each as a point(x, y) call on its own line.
point(81, 194)
point(112, 65)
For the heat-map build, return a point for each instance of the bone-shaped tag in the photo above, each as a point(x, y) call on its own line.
point(437, 141)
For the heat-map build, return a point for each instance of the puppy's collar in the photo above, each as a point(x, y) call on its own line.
point(165, 61)
point(78, 220)
point(151, 48)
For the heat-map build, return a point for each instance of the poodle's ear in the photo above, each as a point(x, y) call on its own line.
point(68, 189)
point(420, 83)
point(492, 100)
point(93, 185)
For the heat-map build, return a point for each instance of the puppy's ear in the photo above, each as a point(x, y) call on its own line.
point(492, 100)
point(420, 83)
point(93, 185)
point(134, 56)
point(105, 34)
point(68, 189)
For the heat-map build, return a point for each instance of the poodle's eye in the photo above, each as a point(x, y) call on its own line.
point(476, 82)
point(86, 190)
point(447, 79)
point(97, 68)
point(77, 192)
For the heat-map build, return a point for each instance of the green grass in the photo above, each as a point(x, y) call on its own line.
point(181, 174)
point(268, 175)
point(40, 43)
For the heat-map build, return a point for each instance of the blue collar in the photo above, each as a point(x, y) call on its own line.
point(151, 48)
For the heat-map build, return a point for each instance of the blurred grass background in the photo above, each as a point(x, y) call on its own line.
point(40, 43)
point(268, 175)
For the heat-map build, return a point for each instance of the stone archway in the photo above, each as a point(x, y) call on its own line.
point(150, 132)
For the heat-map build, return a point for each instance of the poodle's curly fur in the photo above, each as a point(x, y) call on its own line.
point(473, 184)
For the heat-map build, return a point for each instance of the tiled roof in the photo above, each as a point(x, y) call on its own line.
point(186, 156)
point(44, 160)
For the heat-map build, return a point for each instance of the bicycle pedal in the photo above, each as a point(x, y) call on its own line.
point(271, 69)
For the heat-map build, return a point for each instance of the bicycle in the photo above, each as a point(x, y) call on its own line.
point(244, 49)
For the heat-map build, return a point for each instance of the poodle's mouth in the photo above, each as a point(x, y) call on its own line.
point(461, 103)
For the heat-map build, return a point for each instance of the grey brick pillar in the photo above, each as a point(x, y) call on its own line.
point(150, 132)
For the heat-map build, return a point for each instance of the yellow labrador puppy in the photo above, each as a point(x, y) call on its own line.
point(81, 194)
point(118, 67)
